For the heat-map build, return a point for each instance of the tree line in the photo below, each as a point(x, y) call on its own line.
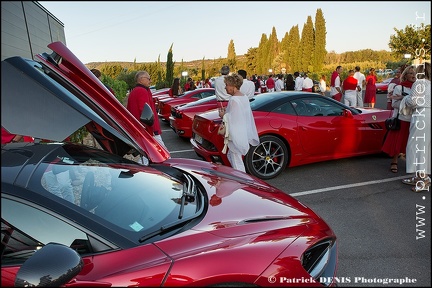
point(295, 52)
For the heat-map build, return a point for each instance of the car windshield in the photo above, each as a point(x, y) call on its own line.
point(135, 198)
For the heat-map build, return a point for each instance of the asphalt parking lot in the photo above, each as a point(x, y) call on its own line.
point(383, 229)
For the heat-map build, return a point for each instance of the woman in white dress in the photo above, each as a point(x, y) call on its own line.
point(241, 129)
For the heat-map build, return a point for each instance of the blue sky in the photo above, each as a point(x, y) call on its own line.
point(145, 30)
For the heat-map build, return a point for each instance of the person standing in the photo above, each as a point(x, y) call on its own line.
point(361, 82)
point(175, 89)
point(393, 83)
point(307, 83)
point(396, 141)
point(290, 84)
point(248, 87)
point(138, 97)
point(270, 83)
point(207, 83)
point(418, 151)
point(298, 79)
point(220, 90)
point(370, 94)
point(241, 127)
point(279, 85)
point(323, 85)
point(349, 87)
point(335, 84)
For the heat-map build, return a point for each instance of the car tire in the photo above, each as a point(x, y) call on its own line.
point(268, 159)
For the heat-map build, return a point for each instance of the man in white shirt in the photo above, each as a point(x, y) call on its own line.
point(279, 85)
point(221, 93)
point(248, 87)
point(361, 82)
point(307, 83)
point(298, 81)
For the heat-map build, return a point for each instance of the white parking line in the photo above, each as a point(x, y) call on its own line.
point(348, 186)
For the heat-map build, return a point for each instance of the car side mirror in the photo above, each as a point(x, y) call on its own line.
point(347, 113)
point(51, 266)
point(147, 115)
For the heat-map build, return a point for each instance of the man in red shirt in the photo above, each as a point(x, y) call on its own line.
point(350, 86)
point(140, 95)
point(270, 83)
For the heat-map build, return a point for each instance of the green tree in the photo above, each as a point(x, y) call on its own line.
point(231, 57)
point(262, 55)
point(129, 78)
point(169, 68)
point(203, 76)
point(160, 79)
point(307, 46)
point(413, 40)
point(273, 50)
point(294, 43)
point(320, 51)
point(284, 46)
point(111, 70)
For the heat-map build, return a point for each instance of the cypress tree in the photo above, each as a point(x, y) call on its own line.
point(307, 46)
point(169, 68)
point(273, 49)
point(320, 51)
point(285, 50)
point(231, 57)
point(294, 42)
point(262, 55)
point(203, 76)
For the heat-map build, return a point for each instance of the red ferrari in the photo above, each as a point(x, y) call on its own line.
point(382, 87)
point(296, 128)
point(182, 115)
point(74, 215)
point(189, 96)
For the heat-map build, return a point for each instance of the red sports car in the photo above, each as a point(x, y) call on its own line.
point(182, 115)
point(296, 128)
point(74, 215)
point(189, 96)
point(160, 96)
point(381, 87)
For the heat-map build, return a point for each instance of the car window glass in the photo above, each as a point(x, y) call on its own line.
point(316, 106)
point(285, 108)
point(132, 197)
point(30, 229)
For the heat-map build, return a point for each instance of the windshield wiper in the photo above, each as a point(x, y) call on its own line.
point(189, 193)
point(161, 230)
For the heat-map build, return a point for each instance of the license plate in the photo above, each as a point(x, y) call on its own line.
point(198, 139)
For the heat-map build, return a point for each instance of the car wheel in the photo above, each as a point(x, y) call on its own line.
point(268, 159)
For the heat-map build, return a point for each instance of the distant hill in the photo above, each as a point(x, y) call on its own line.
point(189, 64)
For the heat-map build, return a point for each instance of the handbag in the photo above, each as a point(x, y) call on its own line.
point(393, 123)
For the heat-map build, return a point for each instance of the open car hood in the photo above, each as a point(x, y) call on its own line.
point(55, 96)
